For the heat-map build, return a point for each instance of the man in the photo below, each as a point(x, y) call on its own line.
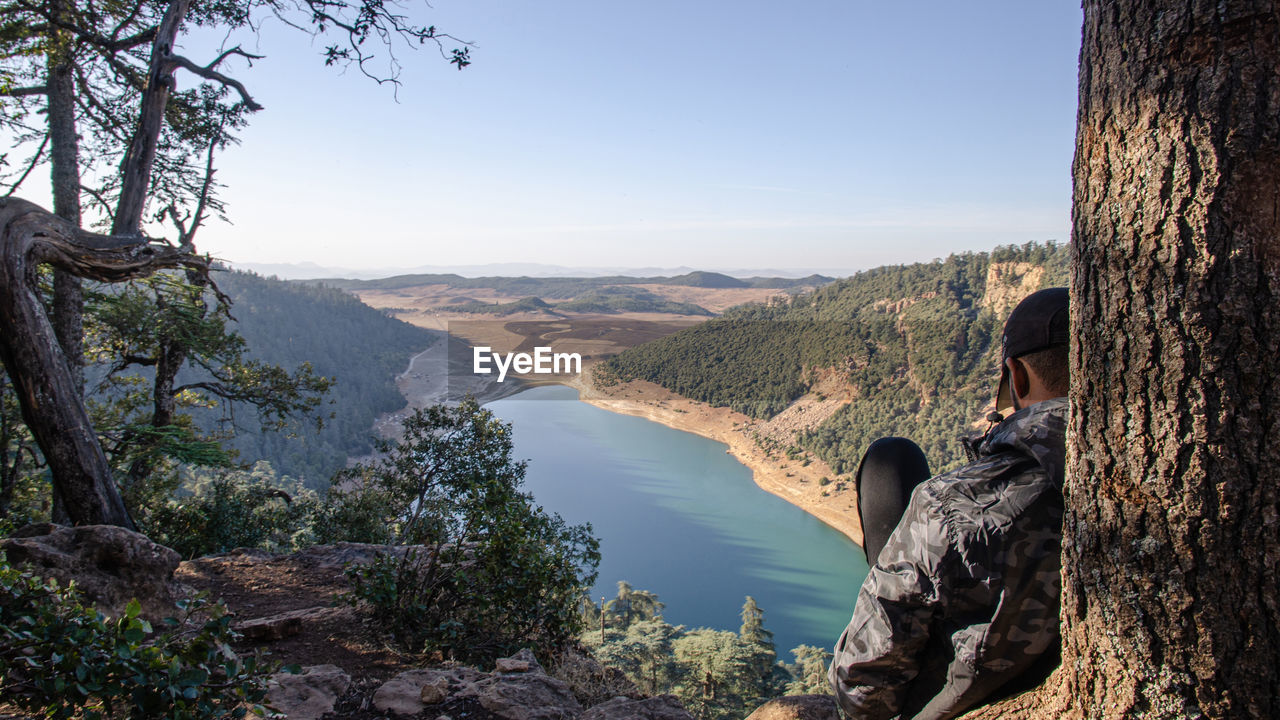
point(961, 605)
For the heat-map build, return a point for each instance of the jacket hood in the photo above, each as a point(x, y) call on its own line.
point(1038, 431)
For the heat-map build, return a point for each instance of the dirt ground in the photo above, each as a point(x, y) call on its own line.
point(255, 585)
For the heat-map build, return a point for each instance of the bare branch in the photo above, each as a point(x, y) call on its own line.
point(35, 160)
point(237, 50)
point(171, 211)
point(128, 20)
point(97, 197)
point(131, 75)
point(103, 116)
point(207, 72)
point(187, 239)
point(135, 40)
point(25, 91)
point(111, 44)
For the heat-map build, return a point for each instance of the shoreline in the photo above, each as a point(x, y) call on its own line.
point(425, 382)
point(790, 480)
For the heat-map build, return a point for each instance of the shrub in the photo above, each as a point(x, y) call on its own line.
point(486, 570)
point(234, 510)
point(61, 659)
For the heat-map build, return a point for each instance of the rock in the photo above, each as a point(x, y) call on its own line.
point(309, 694)
point(408, 693)
point(508, 665)
point(110, 565)
point(435, 692)
point(663, 707)
point(522, 662)
point(798, 707)
point(339, 555)
point(528, 696)
point(286, 624)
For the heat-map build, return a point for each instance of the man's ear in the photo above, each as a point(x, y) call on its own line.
point(1019, 380)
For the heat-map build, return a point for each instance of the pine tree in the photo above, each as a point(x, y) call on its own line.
point(760, 640)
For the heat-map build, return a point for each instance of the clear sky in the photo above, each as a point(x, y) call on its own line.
point(706, 133)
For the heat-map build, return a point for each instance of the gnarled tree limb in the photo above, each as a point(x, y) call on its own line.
point(51, 402)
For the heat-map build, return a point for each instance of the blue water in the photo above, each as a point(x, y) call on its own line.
point(678, 516)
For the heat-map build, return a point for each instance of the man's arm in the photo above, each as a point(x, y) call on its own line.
point(880, 652)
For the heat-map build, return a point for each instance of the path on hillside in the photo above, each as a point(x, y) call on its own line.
point(432, 377)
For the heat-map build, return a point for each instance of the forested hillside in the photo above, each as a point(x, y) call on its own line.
point(359, 347)
point(918, 344)
point(605, 300)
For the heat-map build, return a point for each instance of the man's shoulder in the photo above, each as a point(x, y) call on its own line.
point(986, 495)
point(977, 479)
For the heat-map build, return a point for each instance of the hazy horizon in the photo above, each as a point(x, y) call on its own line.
point(825, 134)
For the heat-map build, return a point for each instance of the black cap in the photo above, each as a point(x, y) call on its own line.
point(1039, 322)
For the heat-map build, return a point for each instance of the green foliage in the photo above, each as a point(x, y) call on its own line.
point(717, 674)
point(760, 640)
point(485, 570)
point(361, 349)
point(643, 650)
point(230, 509)
point(809, 672)
point(752, 364)
point(631, 605)
point(163, 352)
point(23, 482)
point(916, 341)
point(720, 673)
point(61, 659)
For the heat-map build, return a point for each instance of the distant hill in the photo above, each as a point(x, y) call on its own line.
point(707, 280)
point(917, 345)
point(311, 271)
point(566, 288)
point(362, 348)
point(604, 300)
point(529, 304)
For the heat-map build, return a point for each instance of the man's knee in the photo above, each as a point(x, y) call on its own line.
point(889, 471)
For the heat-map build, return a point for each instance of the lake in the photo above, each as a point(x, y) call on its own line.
point(679, 516)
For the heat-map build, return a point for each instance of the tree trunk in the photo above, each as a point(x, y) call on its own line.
point(52, 406)
point(64, 165)
point(164, 403)
point(64, 162)
point(135, 168)
point(1171, 552)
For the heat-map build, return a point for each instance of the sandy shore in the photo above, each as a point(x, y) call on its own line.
point(427, 381)
point(834, 503)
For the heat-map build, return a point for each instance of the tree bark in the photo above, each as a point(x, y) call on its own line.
point(64, 161)
point(64, 164)
point(135, 168)
point(52, 406)
point(1171, 552)
point(164, 404)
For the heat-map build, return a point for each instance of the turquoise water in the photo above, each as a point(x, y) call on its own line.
point(679, 516)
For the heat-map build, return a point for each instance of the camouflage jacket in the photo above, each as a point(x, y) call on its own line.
point(963, 600)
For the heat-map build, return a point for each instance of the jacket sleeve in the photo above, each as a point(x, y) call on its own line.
point(880, 652)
